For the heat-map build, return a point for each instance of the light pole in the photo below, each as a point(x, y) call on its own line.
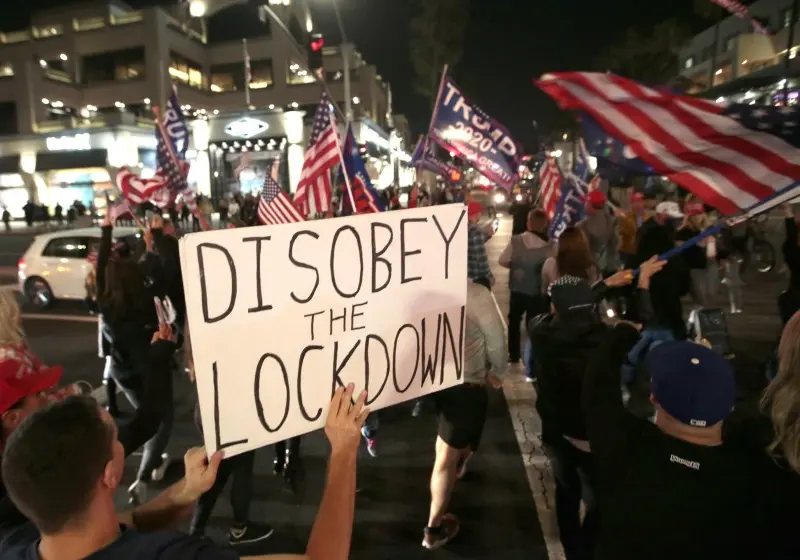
point(346, 49)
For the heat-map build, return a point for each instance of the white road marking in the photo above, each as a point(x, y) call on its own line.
point(53, 317)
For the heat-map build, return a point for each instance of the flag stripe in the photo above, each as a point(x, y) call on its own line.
point(313, 193)
point(692, 141)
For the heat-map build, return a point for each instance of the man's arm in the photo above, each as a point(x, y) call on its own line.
point(505, 257)
point(333, 528)
point(176, 502)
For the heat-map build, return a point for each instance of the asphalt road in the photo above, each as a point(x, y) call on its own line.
point(494, 501)
point(505, 502)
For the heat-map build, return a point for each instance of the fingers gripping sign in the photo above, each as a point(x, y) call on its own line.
point(345, 419)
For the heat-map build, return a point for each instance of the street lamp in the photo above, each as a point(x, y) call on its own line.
point(197, 8)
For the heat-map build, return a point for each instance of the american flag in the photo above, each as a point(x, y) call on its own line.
point(550, 186)
point(322, 154)
point(740, 10)
point(730, 156)
point(274, 206)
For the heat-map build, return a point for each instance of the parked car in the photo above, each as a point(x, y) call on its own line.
point(56, 264)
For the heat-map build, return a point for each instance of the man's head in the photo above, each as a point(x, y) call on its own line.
point(595, 201)
point(63, 464)
point(537, 221)
point(24, 389)
point(666, 211)
point(474, 211)
point(637, 202)
point(693, 387)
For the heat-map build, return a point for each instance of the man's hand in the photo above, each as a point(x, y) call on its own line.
point(648, 269)
point(494, 381)
point(343, 427)
point(201, 472)
point(156, 221)
point(164, 332)
point(619, 278)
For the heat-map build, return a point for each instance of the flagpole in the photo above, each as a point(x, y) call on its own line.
point(341, 160)
point(247, 73)
point(436, 102)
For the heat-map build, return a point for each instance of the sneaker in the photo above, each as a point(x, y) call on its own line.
point(137, 493)
point(372, 447)
point(436, 537)
point(250, 533)
point(158, 473)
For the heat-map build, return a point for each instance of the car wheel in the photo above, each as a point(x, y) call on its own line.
point(38, 292)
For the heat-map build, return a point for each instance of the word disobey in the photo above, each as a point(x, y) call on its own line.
point(378, 256)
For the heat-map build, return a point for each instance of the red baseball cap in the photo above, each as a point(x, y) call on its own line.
point(19, 378)
point(597, 199)
point(474, 208)
point(637, 197)
point(694, 208)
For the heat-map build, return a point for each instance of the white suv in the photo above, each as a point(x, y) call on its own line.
point(55, 266)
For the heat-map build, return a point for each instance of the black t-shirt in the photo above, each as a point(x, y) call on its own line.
point(133, 545)
point(660, 497)
point(695, 256)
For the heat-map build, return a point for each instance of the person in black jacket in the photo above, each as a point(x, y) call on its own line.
point(125, 298)
point(563, 342)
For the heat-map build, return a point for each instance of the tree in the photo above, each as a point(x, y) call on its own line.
point(437, 38)
point(650, 57)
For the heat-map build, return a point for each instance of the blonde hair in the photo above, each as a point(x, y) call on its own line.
point(10, 325)
point(781, 399)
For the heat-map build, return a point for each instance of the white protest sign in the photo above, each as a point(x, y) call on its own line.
point(281, 315)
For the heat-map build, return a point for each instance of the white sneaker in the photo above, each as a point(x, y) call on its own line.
point(158, 473)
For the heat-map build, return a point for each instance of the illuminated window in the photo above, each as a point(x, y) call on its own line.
point(87, 24)
point(48, 31)
point(261, 74)
point(227, 77)
point(186, 72)
point(299, 75)
point(123, 65)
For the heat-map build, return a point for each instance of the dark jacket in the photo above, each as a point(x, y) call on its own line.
point(562, 346)
point(164, 267)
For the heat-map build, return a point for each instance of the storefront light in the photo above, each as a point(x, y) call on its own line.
point(147, 101)
point(45, 101)
point(201, 134)
point(27, 162)
point(293, 125)
point(63, 57)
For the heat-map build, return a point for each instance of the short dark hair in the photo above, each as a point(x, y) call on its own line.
point(53, 460)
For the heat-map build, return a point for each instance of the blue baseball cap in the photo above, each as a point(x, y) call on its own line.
point(692, 383)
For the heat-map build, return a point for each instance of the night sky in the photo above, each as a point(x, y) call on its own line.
point(508, 43)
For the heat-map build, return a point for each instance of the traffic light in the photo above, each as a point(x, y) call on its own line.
point(315, 43)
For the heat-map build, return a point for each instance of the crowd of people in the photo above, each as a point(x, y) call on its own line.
point(653, 455)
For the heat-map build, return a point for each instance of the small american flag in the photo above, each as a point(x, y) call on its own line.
point(322, 154)
point(730, 156)
point(274, 206)
point(550, 186)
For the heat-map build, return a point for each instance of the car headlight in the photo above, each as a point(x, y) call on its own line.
point(499, 198)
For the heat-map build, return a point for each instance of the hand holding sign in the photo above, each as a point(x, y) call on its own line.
point(201, 472)
point(345, 419)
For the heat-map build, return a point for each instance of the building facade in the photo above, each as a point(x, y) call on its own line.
point(83, 80)
point(732, 62)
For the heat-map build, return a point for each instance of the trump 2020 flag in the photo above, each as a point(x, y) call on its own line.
point(365, 197)
point(465, 129)
point(571, 205)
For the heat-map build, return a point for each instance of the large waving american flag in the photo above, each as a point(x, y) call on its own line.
point(730, 156)
point(550, 186)
point(274, 207)
point(313, 193)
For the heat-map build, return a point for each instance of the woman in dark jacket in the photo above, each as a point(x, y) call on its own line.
point(125, 299)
